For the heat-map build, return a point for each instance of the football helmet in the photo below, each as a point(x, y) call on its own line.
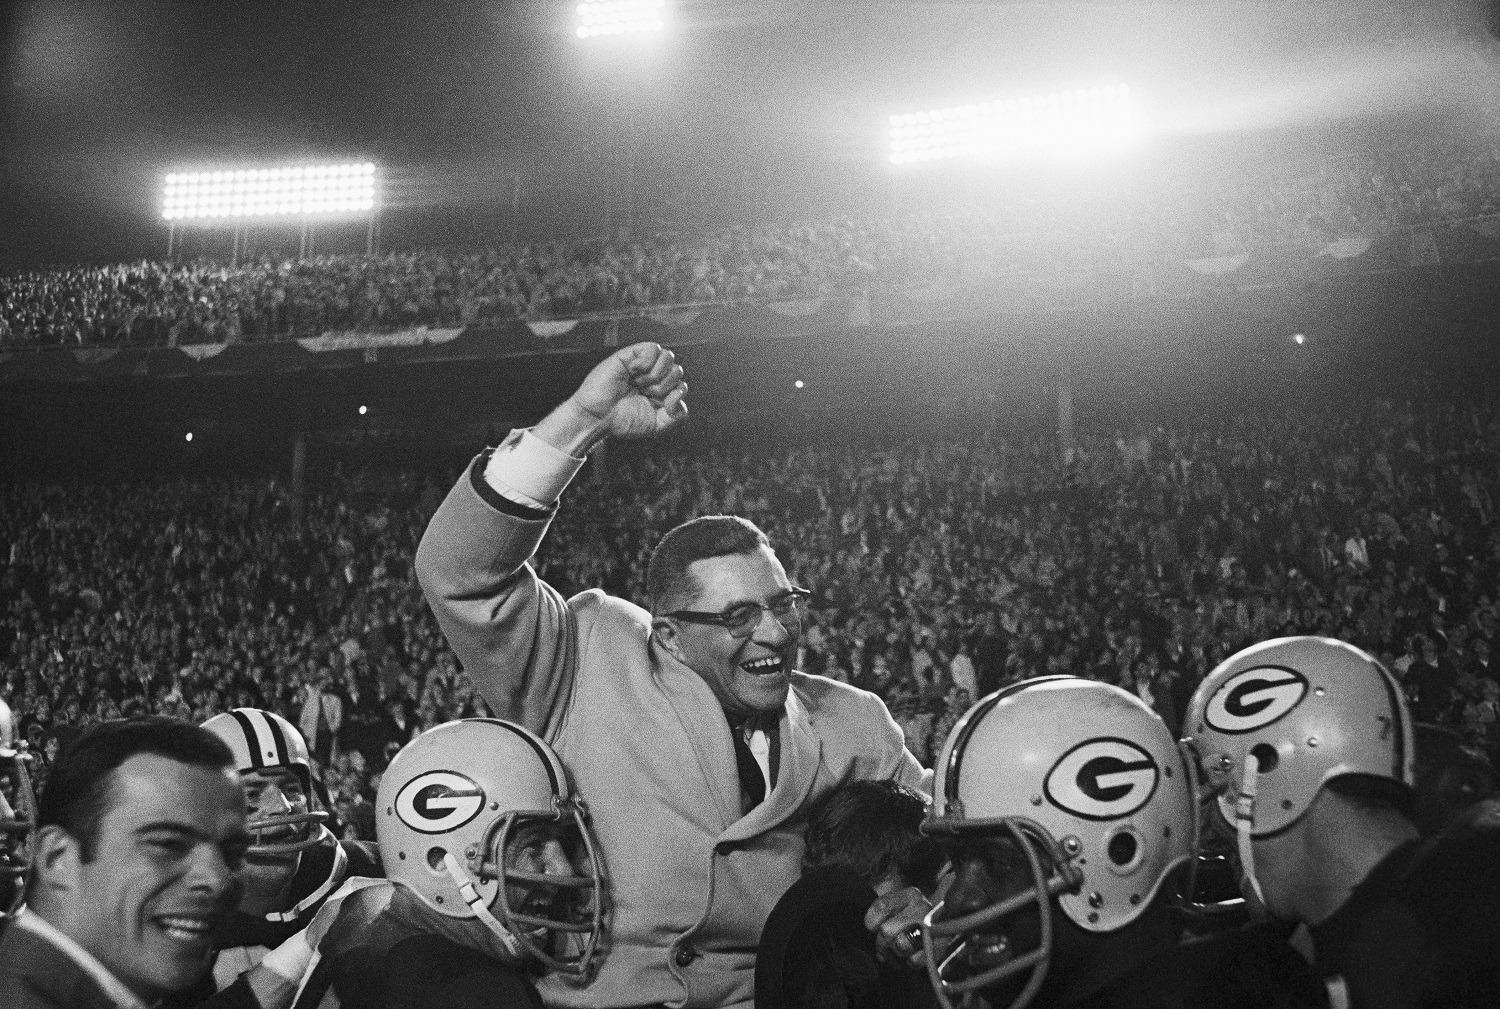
point(1090, 787)
point(448, 805)
point(264, 741)
point(17, 811)
point(1275, 722)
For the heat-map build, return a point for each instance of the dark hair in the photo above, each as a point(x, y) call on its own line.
point(873, 828)
point(76, 795)
point(667, 575)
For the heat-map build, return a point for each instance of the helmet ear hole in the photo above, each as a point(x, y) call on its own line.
point(435, 856)
point(1266, 758)
point(1125, 850)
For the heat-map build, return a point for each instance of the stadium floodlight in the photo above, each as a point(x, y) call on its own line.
point(302, 190)
point(1067, 125)
point(620, 17)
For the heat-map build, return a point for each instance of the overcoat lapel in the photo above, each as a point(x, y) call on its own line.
point(800, 754)
point(707, 730)
point(53, 973)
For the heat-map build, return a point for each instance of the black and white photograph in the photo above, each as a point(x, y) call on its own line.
point(713, 504)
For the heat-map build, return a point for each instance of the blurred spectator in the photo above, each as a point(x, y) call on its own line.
point(1188, 210)
point(321, 717)
point(187, 597)
point(961, 671)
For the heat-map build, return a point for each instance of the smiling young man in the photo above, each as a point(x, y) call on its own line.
point(294, 862)
point(691, 738)
point(140, 838)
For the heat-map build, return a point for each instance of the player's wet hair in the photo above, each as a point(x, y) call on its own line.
point(873, 828)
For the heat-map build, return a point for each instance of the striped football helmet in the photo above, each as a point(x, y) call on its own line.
point(263, 741)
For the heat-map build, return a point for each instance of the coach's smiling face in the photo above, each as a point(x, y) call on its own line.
point(751, 674)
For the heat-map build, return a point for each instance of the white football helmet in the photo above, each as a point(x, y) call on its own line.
point(1307, 710)
point(17, 812)
point(1089, 785)
point(449, 803)
point(264, 741)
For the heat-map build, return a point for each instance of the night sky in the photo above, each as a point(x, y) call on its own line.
point(456, 99)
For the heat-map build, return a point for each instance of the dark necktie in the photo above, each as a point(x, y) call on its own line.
point(752, 781)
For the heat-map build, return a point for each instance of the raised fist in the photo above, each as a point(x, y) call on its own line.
point(635, 392)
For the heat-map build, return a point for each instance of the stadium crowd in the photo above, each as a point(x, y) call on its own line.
point(1046, 225)
point(942, 570)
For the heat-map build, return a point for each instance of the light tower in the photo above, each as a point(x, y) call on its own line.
point(623, 32)
point(604, 18)
point(257, 196)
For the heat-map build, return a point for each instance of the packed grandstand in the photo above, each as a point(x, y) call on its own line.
point(943, 568)
point(1304, 206)
point(1021, 485)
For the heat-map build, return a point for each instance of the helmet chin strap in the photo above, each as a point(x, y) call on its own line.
point(470, 893)
point(1244, 822)
point(335, 877)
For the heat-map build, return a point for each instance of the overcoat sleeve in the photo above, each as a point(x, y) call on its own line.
point(514, 633)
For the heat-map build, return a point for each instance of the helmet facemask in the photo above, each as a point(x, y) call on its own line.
point(1214, 849)
point(1049, 871)
point(276, 835)
point(555, 919)
point(17, 821)
point(265, 744)
point(1079, 787)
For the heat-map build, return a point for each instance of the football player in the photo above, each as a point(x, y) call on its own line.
point(1307, 750)
point(17, 812)
point(863, 842)
point(1068, 812)
point(494, 876)
point(294, 862)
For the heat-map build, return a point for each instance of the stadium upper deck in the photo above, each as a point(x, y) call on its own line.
point(1203, 219)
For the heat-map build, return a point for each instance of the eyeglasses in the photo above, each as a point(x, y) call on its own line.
point(742, 619)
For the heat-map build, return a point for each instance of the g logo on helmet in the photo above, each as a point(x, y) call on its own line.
point(1254, 699)
point(1102, 779)
point(438, 801)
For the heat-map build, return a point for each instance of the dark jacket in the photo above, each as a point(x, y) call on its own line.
point(35, 974)
point(379, 953)
point(1423, 929)
point(816, 952)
